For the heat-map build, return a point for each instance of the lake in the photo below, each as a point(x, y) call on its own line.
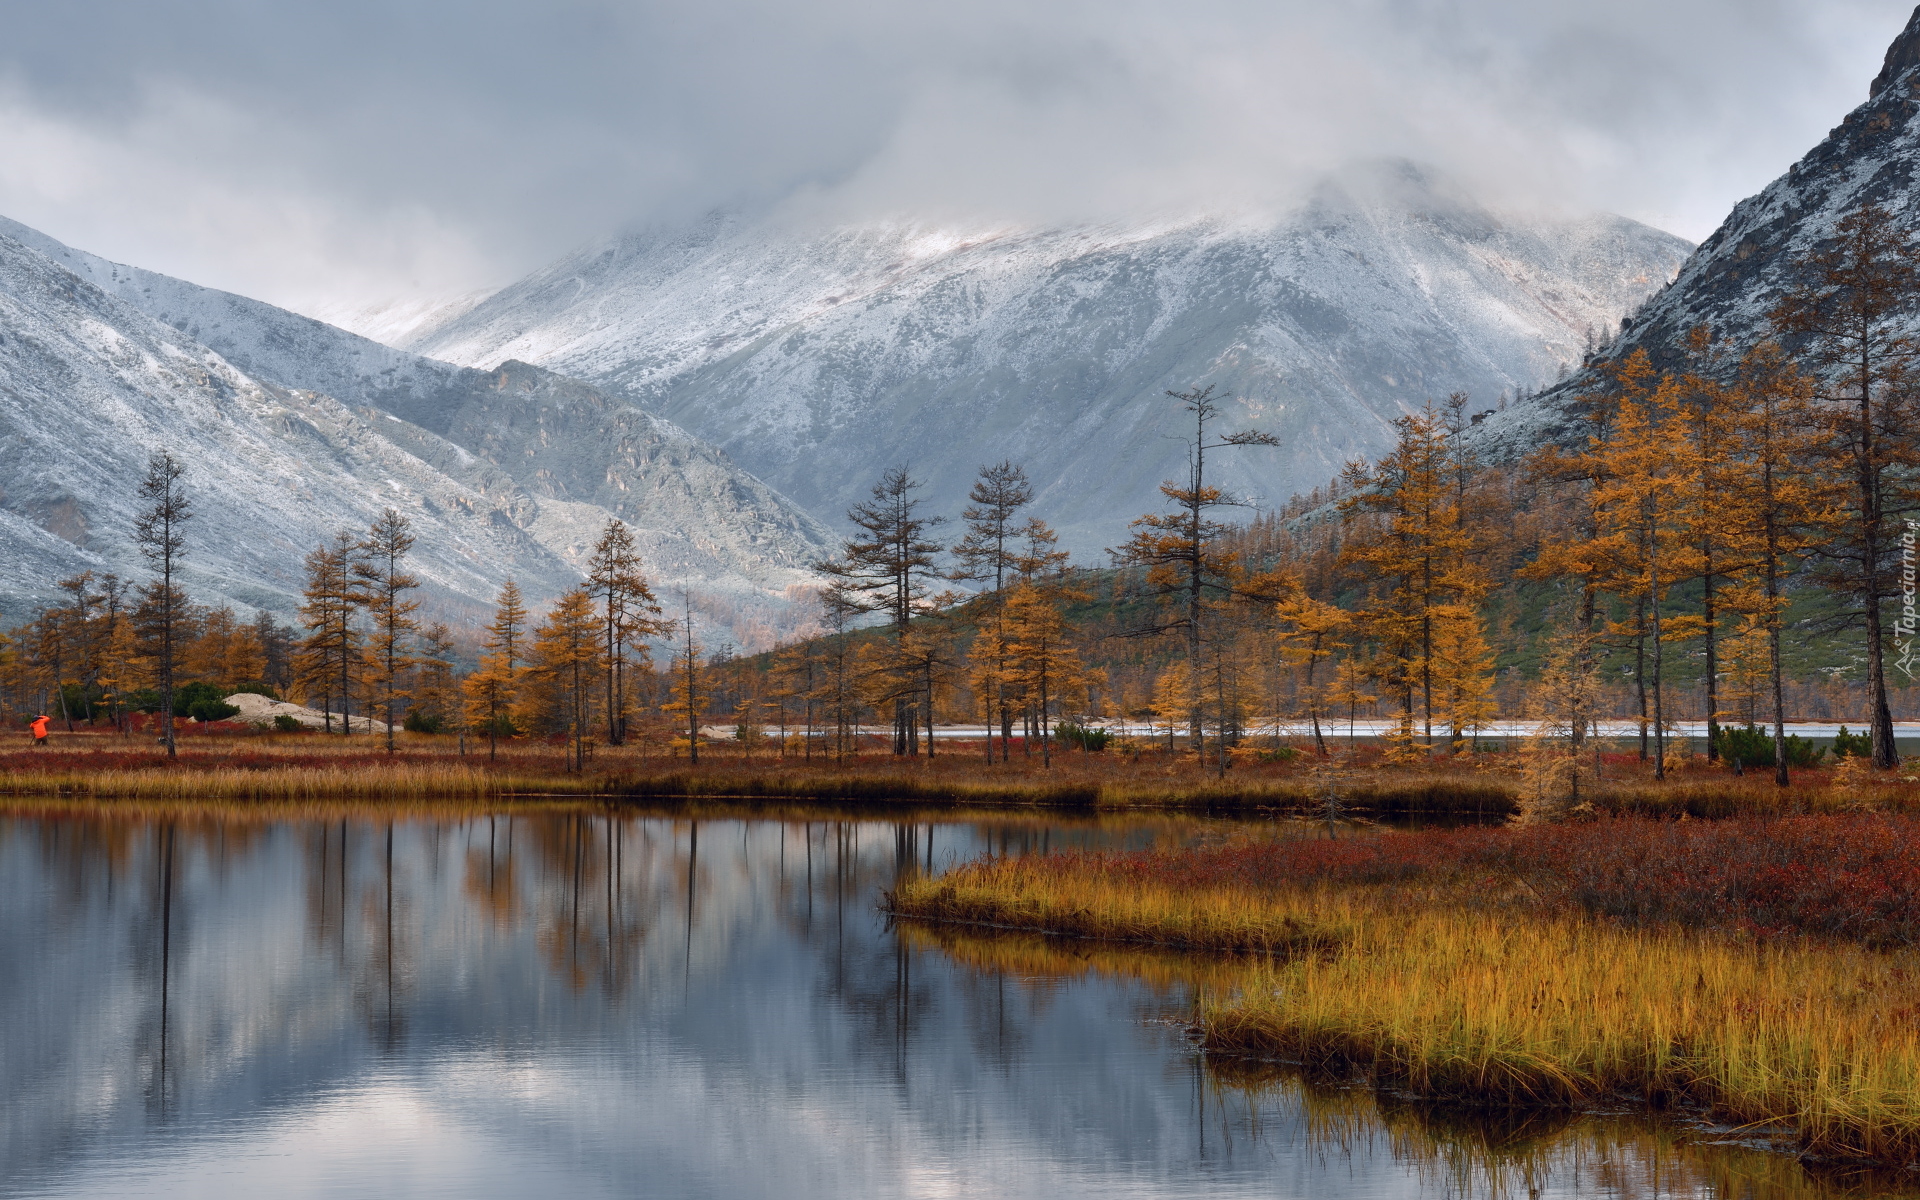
point(590, 1004)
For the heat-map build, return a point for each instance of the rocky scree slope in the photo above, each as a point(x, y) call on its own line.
point(819, 358)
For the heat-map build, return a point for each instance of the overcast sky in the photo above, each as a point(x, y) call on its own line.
point(354, 150)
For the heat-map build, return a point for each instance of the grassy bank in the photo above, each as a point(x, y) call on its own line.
point(1466, 1149)
point(298, 766)
point(1555, 967)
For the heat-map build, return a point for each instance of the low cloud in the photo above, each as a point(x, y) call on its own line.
point(348, 152)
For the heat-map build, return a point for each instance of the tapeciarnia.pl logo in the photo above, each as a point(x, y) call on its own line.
point(1905, 628)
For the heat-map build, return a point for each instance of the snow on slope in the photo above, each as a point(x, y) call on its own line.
point(90, 386)
point(818, 359)
point(396, 321)
point(532, 462)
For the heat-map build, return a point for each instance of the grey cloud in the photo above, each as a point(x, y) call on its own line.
point(294, 150)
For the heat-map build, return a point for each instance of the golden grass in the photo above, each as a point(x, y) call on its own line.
point(1470, 1150)
point(1022, 894)
point(402, 781)
point(1480, 998)
point(99, 763)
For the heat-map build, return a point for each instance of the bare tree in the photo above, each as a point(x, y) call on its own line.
point(1180, 548)
point(629, 613)
point(888, 571)
point(382, 584)
point(159, 531)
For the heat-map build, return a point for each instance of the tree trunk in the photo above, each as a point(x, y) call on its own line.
point(1713, 666)
point(1640, 667)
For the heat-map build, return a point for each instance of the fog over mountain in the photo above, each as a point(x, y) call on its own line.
point(332, 158)
point(1735, 278)
point(817, 357)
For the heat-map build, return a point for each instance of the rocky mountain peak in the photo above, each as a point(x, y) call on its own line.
point(1903, 54)
point(816, 357)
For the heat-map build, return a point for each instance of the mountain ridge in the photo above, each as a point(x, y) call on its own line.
point(537, 461)
point(819, 358)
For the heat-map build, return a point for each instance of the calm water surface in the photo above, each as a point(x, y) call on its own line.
point(631, 1005)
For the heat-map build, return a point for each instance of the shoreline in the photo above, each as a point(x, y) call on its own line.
point(1463, 981)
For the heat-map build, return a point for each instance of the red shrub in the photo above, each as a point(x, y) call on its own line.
point(1852, 877)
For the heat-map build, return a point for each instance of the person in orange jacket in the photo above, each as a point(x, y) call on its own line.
point(40, 730)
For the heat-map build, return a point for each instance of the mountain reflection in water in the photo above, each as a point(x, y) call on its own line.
point(590, 1004)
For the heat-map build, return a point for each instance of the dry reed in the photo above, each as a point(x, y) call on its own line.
point(1459, 992)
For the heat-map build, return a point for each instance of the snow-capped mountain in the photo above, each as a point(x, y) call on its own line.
point(819, 358)
point(292, 429)
point(395, 322)
point(1735, 277)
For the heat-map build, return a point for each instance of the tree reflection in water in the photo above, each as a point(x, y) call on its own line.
point(660, 1003)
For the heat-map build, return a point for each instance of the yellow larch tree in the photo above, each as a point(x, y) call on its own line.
point(1775, 506)
point(1042, 662)
point(563, 664)
point(493, 688)
point(1411, 531)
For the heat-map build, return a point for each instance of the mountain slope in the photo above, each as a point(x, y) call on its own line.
point(1735, 277)
point(89, 387)
point(294, 430)
point(817, 359)
point(551, 456)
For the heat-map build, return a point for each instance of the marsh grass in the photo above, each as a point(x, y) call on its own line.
point(1469, 1148)
point(1819, 1039)
point(1024, 894)
point(398, 782)
point(1483, 786)
point(1472, 986)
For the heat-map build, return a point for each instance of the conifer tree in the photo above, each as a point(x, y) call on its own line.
point(688, 696)
point(1708, 410)
point(1173, 701)
point(276, 652)
point(1042, 662)
point(83, 640)
point(383, 585)
point(1181, 549)
point(629, 613)
point(1463, 673)
point(125, 668)
point(492, 690)
point(837, 693)
point(115, 640)
point(1312, 633)
point(1418, 545)
point(434, 691)
point(889, 570)
point(159, 531)
point(1573, 547)
point(797, 677)
point(990, 551)
point(564, 660)
point(1649, 470)
point(1852, 313)
point(1773, 505)
point(1558, 780)
point(330, 653)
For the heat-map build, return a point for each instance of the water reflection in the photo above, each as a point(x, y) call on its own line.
point(597, 1003)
